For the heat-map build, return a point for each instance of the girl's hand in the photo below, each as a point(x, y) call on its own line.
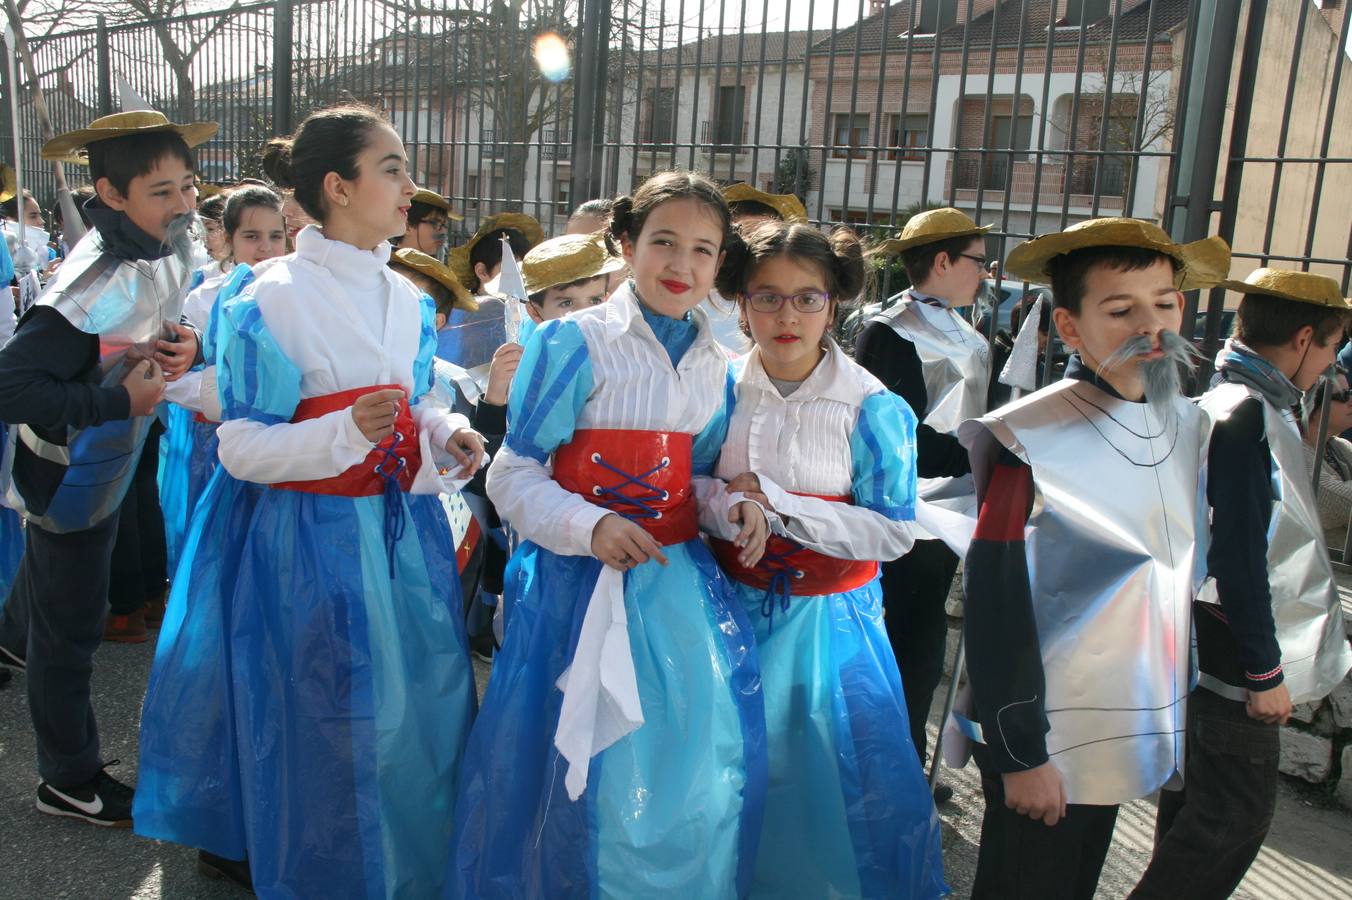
point(622, 545)
point(755, 532)
point(375, 413)
point(748, 483)
point(467, 446)
point(176, 357)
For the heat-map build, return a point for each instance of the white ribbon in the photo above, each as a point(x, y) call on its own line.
point(600, 687)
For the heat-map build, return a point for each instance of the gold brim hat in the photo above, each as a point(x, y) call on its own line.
point(563, 260)
point(69, 147)
point(206, 190)
point(789, 207)
point(930, 226)
point(1202, 264)
point(426, 265)
point(458, 258)
point(432, 198)
point(8, 182)
point(1302, 287)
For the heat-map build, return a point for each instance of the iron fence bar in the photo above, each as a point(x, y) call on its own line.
point(1016, 103)
point(802, 159)
point(760, 88)
point(105, 68)
point(830, 134)
point(676, 85)
point(1147, 67)
point(854, 111)
point(1109, 92)
point(1072, 135)
point(1339, 57)
point(1285, 130)
point(905, 110)
point(962, 93)
point(1002, 238)
point(1201, 152)
point(281, 67)
point(871, 177)
point(1173, 200)
point(783, 88)
point(699, 60)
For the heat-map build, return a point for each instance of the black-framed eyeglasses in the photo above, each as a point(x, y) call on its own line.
point(806, 302)
point(440, 225)
point(979, 260)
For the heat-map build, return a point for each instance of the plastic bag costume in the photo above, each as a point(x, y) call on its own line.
point(848, 813)
point(312, 691)
point(670, 804)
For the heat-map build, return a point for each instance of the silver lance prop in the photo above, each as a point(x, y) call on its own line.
point(25, 259)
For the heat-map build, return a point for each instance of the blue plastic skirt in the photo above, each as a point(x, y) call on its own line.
point(672, 809)
point(187, 461)
point(848, 813)
point(304, 707)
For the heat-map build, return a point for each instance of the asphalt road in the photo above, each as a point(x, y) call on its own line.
point(1308, 854)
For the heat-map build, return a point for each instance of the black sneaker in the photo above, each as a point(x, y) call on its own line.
point(942, 793)
point(102, 800)
point(218, 867)
point(12, 660)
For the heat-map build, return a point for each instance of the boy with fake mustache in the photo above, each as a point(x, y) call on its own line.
point(1082, 570)
point(79, 383)
point(1269, 625)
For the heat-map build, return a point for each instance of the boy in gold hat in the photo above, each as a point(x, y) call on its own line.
point(429, 217)
point(79, 383)
point(1081, 573)
point(928, 354)
point(1268, 623)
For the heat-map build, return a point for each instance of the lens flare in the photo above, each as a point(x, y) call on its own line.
point(552, 57)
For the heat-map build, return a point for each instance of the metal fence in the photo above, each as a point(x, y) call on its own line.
point(1029, 114)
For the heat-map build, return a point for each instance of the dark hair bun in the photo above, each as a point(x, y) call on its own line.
point(850, 269)
point(277, 161)
point(621, 220)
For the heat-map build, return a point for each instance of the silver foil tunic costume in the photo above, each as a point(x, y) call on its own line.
point(1308, 616)
point(1114, 563)
point(126, 303)
point(955, 362)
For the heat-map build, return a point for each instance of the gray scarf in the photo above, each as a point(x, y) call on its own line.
point(1239, 364)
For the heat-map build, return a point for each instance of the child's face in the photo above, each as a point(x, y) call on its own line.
point(676, 256)
point(1118, 305)
point(560, 301)
point(372, 207)
point(1316, 359)
point(790, 341)
point(155, 199)
point(261, 235)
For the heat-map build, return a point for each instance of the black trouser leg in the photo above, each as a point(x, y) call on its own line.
point(1208, 834)
point(60, 599)
point(915, 589)
point(1023, 859)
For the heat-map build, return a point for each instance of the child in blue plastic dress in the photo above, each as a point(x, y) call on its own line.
point(825, 446)
point(620, 749)
point(253, 230)
point(312, 691)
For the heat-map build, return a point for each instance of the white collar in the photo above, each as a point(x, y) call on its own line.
point(348, 264)
point(836, 377)
point(622, 314)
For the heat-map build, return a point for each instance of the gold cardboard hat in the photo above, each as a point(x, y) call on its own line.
point(1203, 263)
point(423, 264)
point(66, 147)
point(930, 226)
point(563, 260)
point(8, 182)
point(1302, 287)
point(789, 207)
point(432, 198)
point(458, 258)
point(206, 190)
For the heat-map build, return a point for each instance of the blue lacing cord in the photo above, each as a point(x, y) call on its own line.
point(780, 590)
point(611, 496)
point(395, 521)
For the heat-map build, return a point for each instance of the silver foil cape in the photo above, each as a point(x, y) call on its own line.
point(126, 303)
point(1114, 562)
point(1309, 618)
point(955, 362)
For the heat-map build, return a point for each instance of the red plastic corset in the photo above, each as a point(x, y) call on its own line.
point(810, 573)
point(642, 475)
point(364, 479)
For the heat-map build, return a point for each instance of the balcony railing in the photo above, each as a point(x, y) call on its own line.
point(718, 140)
point(1111, 175)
